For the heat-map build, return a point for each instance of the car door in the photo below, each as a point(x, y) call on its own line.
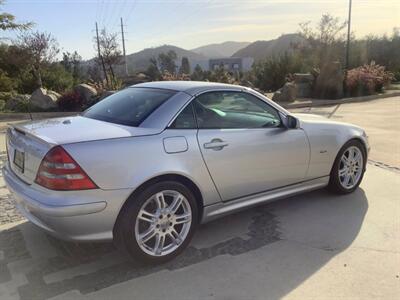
point(245, 146)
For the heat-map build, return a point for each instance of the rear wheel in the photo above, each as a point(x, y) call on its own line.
point(348, 169)
point(159, 223)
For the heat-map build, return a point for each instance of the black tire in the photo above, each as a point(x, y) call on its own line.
point(124, 234)
point(334, 182)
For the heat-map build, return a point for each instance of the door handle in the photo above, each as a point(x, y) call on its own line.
point(215, 144)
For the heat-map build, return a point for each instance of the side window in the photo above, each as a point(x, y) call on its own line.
point(234, 110)
point(185, 120)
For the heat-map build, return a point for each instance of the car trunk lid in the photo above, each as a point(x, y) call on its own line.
point(27, 143)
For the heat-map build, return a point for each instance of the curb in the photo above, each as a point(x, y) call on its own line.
point(11, 116)
point(317, 103)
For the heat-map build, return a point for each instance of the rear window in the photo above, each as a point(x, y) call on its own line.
point(128, 107)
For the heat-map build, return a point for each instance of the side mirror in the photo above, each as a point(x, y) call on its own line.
point(291, 122)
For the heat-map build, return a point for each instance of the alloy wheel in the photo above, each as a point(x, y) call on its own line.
point(163, 223)
point(350, 167)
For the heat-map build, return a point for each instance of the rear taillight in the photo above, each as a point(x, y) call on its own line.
point(59, 171)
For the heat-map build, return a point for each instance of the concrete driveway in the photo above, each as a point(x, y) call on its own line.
point(313, 246)
point(381, 120)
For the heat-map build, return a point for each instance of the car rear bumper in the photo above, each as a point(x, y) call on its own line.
point(87, 215)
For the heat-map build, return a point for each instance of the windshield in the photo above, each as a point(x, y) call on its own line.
point(129, 107)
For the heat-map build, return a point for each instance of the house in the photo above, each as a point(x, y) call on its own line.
point(231, 64)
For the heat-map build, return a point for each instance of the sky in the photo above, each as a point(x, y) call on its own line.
point(192, 23)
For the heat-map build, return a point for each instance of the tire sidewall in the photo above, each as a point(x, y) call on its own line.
point(334, 181)
point(127, 221)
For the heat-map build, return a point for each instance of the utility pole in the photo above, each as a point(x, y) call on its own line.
point(123, 48)
point(348, 37)
point(347, 50)
point(99, 53)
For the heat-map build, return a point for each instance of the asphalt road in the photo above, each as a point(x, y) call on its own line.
point(312, 246)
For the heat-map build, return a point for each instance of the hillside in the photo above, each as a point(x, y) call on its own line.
point(225, 49)
point(139, 61)
point(262, 49)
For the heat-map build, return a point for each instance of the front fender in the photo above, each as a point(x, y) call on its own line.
point(326, 138)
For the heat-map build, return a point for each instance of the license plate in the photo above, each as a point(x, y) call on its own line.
point(19, 160)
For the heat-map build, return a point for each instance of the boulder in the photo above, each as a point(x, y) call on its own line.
point(286, 94)
point(304, 83)
point(44, 99)
point(303, 77)
point(86, 91)
point(17, 102)
point(329, 83)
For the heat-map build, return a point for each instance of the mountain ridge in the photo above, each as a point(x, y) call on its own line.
point(218, 50)
point(266, 48)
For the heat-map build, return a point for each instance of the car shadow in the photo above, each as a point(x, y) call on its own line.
point(293, 237)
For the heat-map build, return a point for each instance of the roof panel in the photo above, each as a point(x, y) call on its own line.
point(190, 87)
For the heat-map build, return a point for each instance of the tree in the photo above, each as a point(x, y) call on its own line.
point(325, 41)
point(152, 70)
point(72, 64)
point(221, 75)
point(110, 53)
point(94, 72)
point(271, 74)
point(42, 48)
point(166, 62)
point(198, 73)
point(185, 66)
point(56, 78)
point(7, 22)
point(15, 62)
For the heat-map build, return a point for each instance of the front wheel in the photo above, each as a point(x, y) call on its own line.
point(348, 169)
point(158, 224)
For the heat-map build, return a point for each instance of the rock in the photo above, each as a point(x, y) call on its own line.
point(143, 77)
point(44, 99)
point(303, 77)
point(86, 91)
point(329, 83)
point(17, 102)
point(286, 94)
point(304, 83)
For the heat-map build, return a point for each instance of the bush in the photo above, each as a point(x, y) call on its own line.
point(367, 80)
point(5, 96)
point(17, 102)
point(6, 83)
point(71, 101)
point(2, 105)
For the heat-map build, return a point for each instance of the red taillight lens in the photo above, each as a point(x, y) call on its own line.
point(59, 171)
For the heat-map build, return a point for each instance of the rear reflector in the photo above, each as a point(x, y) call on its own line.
point(59, 171)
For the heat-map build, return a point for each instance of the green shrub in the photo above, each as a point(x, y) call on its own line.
point(5, 96)
point(6, 83)
point(2, 105)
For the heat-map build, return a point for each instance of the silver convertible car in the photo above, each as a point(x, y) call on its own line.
point(146, 165)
